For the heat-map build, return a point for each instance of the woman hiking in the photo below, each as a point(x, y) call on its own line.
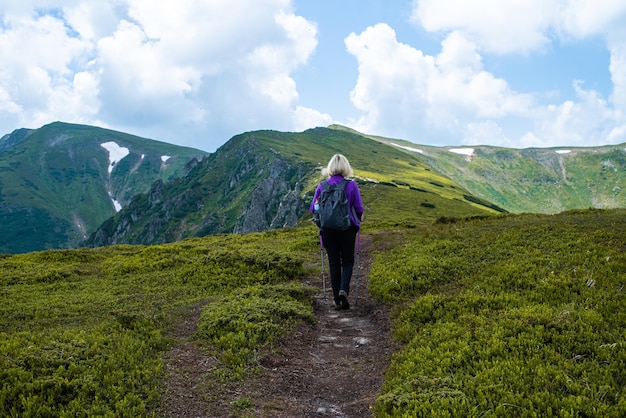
point(339, 239)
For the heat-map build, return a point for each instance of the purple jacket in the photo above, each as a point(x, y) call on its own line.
point(352, 193)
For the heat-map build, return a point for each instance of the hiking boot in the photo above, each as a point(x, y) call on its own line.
point(343, 300)
point(337, 304)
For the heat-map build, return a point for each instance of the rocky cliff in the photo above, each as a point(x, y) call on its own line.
point(242, 188)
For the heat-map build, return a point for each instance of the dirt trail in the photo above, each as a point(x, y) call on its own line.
point(331, 369)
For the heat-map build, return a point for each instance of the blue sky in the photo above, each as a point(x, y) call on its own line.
point(515, 73)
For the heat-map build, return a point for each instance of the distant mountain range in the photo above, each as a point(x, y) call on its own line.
point(60, 182)
point(63, 185)
point(537, 180)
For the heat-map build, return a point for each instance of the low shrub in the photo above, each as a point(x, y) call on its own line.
point(82, 332)
point(241, 324)
point(517, 316)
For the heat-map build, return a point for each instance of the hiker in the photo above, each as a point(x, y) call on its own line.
point(339, 243)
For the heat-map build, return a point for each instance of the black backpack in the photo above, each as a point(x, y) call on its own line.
point(333, 213)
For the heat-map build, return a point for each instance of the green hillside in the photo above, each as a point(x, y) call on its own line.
point(59, 183)
point(82, 332)
point(493, 314)
point(372, 161)
point(506, 316)
point(61, 187)
point(513, 316)
point(265, 180)
point(548, 180)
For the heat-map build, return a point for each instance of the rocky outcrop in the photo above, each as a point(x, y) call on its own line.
point(276, 202)
point(273, 205)
point(242, 189)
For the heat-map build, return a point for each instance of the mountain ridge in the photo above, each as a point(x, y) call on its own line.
point(540, 180)
point(264, 180)
point(61, 181)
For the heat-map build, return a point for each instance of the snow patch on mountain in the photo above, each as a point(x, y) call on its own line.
point(116, 204)
point(407, 148)
point(116, 153)
point(463, 151)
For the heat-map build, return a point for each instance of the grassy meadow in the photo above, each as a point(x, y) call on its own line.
point(82, 332)
point(514, 316)
point(505, 316)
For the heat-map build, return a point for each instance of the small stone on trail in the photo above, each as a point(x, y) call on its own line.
point(361, 341)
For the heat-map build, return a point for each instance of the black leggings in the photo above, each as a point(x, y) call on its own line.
point(340, 249)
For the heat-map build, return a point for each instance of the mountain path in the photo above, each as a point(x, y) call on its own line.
point(333, 368)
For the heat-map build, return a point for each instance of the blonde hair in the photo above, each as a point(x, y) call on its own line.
point(338, 164)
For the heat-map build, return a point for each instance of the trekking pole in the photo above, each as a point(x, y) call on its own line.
point(358, 252)
point(322, 256)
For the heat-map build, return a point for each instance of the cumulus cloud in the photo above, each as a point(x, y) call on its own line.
point(392, 83)
point(451, 97)
point(617, 69)
point(215, 63)
point(580, 18)
point(196, 72)
point(406, 93)
point(38, 71)
point(498, 26)
point(589, 118)
point(305, 118)
point(205, 70)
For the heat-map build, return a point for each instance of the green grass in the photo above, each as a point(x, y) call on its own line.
point(55, 186)
point(538, 180)
point(516, 316)
point(249, 319)
point(82, 332)
point(372, 161)
point(388, 205)
point(508, 316)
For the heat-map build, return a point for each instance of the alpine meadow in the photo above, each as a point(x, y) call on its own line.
point(501, 273)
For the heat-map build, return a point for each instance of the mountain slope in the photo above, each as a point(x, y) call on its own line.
point(60, 182)
point(63, 183)
point(534, 180)
point(265, 179)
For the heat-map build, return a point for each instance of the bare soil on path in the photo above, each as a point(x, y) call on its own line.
point(333, 368)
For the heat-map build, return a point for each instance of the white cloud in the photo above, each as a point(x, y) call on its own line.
point(617, 69)
point(40, 42)
point(462, 79)
point(6, 103)
point(520, 25)
point(38, 80)
point(451, 97)
point(91, 20)
point(589, 119)
point(617, 135)
point(392, 86)
point(305, 118)
point(274, 62)
point(405, 93)
point(497, 26)
point(77, 101)
point(477, 133)
point(580, 18)
point(196, 72)
point(158, 69)
point(140, 66)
